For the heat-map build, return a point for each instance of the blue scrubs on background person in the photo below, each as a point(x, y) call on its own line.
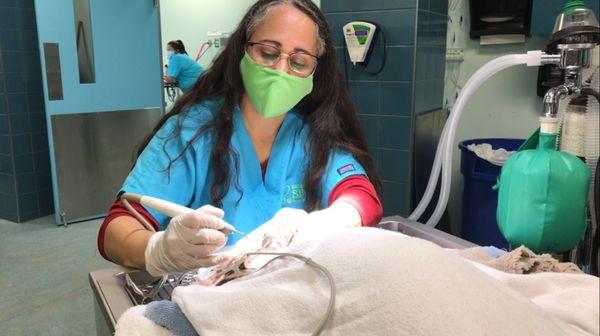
point(184, 69)
point(188, 182)
point(181, 69)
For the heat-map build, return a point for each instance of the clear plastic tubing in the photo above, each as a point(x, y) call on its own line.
point(444, 151)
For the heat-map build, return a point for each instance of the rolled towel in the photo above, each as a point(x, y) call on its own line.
point(519, 261)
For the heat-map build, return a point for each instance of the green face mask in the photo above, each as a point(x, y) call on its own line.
point(272, 92)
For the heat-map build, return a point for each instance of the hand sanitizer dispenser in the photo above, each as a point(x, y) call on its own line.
point(359, 36)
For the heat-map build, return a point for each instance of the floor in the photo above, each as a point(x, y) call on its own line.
point(44, 268)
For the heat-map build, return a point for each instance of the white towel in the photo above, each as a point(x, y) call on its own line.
point(134, 323)
point(568, 297)
point(389, 284)
point(486, 152)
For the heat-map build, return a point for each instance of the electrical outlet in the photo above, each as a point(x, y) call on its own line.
point(223, 41)
point(455, 54)
point(217, 39)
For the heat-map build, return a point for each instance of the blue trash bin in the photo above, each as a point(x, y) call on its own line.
point(479, 200)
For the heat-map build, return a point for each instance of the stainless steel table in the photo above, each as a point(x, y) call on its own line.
point(110, 299)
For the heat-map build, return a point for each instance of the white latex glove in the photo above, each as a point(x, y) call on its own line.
point(298, 224)
point(187, 243)
point(339, 215)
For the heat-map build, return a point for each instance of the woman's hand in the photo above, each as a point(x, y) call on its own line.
point(294, 224)
point(283, 227)
point(187, 243)
point(339, 215)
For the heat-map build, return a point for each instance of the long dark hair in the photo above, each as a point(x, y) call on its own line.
point(328, 109)
point(178, 46)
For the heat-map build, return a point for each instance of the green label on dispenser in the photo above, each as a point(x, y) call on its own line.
point(362, 33)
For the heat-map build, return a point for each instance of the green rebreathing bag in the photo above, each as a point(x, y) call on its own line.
point(542, 197)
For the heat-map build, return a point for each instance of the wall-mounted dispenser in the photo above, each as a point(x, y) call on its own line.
point(500, 21)
point(359, 36)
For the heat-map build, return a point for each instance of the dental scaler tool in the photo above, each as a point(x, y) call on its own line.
point(165, 207)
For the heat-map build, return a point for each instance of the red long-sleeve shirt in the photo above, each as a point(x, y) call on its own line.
point(356, 187)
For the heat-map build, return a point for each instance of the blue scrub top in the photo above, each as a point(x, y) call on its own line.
point(185, 70)
point(256, 201)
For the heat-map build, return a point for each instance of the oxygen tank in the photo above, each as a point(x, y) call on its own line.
point(542, 196)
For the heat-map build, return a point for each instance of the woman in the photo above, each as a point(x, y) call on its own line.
point(182, 69)
point(269, 126)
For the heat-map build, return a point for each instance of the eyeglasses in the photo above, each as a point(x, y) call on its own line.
point(302, 64)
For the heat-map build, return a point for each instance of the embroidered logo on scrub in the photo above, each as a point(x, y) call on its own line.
point(347, 168)
point(293, 193)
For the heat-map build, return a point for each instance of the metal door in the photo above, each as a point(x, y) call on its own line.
point(101, 68)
